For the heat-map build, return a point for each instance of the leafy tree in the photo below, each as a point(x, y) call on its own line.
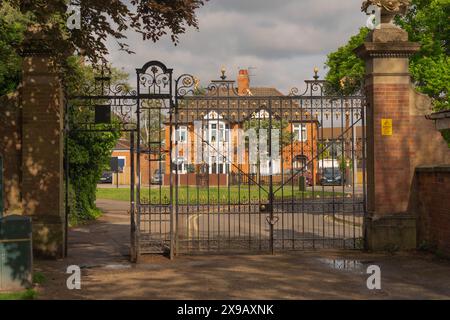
point(325, 150)
point(426, 23)
point(102, 19)
point(264, 124)
point(346, 69)
point(258, 124)
point(152, 124)
point(12, 27)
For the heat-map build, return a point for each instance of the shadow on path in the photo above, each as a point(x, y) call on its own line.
point(102, 249)
point(104, 241)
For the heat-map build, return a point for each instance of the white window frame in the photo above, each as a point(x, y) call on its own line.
point(182, 165)
point(217, 165)
point(222, 131)
point(124, 162)
point(300, 131)
point(181, 131)
point(299, 164)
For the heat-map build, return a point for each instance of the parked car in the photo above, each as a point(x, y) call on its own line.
point(107, 177)
point(331, 177)
point(157, 177)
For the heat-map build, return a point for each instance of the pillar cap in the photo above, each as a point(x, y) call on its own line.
point(387, 49)
point(40, 40)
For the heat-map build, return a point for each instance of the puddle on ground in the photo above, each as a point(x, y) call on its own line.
point(158, 266)
point(117, 266)
point(344, 265)
point(82, 230)
point(90, 266)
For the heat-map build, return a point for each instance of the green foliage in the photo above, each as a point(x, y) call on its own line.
point(426, 23)
point(264, 124)
point(89, 152)
point(346, 70)
point(39, 278)
point(108, 20)
point(200, 91)
point(29, 294)
point(101, 21)
point(446, 135)
point(204, 195)
point(324, 152)
point(12, 27)
point(343, 162)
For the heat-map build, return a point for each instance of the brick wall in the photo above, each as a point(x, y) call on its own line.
point(433, 207)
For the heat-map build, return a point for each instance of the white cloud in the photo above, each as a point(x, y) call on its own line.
point(284, 40)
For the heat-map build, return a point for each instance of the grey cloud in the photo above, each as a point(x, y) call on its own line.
point(284, 40)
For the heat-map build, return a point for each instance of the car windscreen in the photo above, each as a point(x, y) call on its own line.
point(330, 172)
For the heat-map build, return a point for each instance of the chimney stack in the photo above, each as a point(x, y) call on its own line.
point(243, 82)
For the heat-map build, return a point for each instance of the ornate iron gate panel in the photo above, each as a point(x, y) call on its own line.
point(156, 210)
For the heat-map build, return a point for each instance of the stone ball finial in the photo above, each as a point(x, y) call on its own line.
point(389, 8)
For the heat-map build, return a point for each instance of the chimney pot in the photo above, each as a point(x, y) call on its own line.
point(243, 82)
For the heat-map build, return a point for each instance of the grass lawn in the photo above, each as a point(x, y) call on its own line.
point(200, 195)
point(29, 294)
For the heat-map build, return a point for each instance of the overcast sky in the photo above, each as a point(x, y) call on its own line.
point(283, 40)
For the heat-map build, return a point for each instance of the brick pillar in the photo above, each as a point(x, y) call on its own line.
point(390, 133)
point(42, 152)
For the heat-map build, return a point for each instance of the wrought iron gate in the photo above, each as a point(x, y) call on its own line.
point(237, 169)
point(301, 190)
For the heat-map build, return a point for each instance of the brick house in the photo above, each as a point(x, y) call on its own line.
point(149, 163)
point(214, 126)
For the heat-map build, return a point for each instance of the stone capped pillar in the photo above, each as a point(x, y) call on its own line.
point(42, 102)
point(399, 137)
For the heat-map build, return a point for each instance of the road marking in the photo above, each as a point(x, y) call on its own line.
point(195, 225)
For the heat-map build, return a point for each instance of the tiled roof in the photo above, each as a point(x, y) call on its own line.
point(236, 108)
point(122, 144)
point(265, 92)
